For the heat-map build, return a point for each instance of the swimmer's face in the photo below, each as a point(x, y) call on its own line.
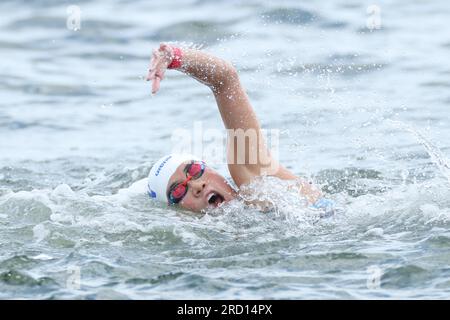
point(208, 191)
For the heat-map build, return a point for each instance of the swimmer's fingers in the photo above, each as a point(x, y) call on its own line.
point(153, 64)
point(155, 84)
point(161, 72)
point(155, 60)
point(159, 76)
point(150, 74)
point(158, 67)
point(154, 68)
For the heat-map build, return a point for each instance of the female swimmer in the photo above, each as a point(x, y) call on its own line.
point(188, 182)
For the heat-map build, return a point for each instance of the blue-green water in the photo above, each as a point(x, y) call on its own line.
point(364, 113)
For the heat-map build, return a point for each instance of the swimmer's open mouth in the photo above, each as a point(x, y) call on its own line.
point(215, 199)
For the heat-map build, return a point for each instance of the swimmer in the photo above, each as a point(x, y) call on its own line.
point(188, 182)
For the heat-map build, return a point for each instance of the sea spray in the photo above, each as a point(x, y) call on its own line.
point(436, 155)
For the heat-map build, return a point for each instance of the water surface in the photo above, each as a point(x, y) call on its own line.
point(364, 113)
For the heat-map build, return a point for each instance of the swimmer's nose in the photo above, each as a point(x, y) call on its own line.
point(197, 187)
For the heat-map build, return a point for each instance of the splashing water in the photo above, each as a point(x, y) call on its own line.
point(72, 174)
point(434, 152)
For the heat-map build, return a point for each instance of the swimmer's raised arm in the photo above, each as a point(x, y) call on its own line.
point(253, 159)
point(217, 74)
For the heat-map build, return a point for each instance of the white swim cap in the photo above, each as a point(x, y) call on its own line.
point(161, 172)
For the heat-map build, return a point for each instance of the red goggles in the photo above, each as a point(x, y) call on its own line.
point(178, 190)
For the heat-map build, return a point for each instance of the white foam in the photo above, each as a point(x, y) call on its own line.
point(42, 256)
point(62, 190)
point(40, 232)
point(377, 232)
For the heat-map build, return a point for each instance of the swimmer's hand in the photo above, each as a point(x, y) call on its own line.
point(161, 58)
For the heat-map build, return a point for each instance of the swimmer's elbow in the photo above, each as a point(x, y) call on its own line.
point(229, 77)
point(231, 72)
point(230, 68)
